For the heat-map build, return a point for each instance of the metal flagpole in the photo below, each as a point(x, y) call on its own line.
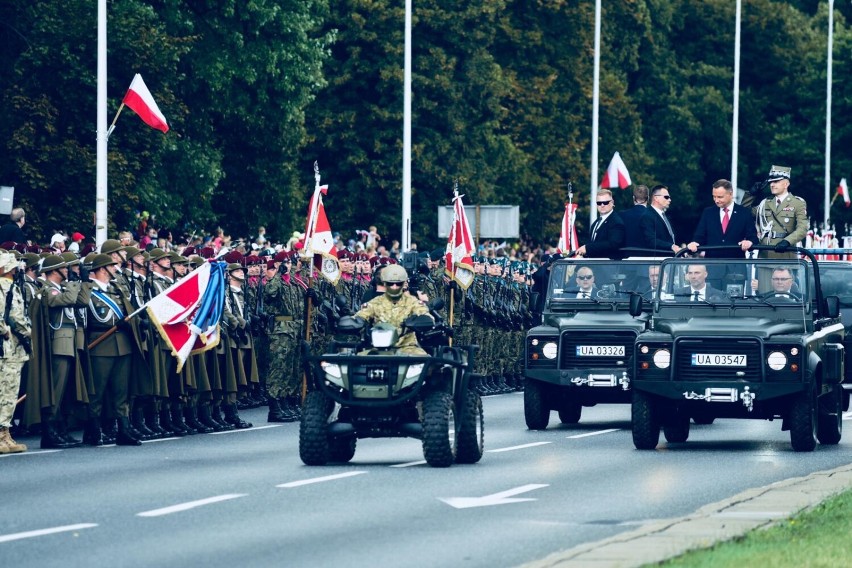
point(593, 214)
point(827, 196)
point(101, 171)
point(735, 129)
point(405, 241)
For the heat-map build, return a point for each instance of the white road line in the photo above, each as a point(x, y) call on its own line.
point(320, 479)
point(30, 453)
point(43, 532)
point(161, 440)
point(847, 415)
point(521, 447)
point(587, 434)
point(189, 505)
point(252, 429)
point(409, 464)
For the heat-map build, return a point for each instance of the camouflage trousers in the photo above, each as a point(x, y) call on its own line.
point(283, 378)
point(10, 382)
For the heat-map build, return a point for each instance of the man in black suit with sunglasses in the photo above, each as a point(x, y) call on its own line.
point(607, 234)
point(657, 230)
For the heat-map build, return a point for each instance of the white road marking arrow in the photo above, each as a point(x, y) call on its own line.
point(501, 498)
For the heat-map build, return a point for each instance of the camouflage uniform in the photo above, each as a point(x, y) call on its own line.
point(14, 356)
point(385, 310)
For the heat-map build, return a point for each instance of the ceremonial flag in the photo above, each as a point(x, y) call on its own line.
point(139, 98)
point(616, 174)
point(843, 190)
point(319, 242)
point(188, 313)
point(458, 256)
point(568, 235)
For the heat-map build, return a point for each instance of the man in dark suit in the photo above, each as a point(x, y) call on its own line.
point(657, 232)
point(586, 289)
point(698, 289)
point(13, 230)
point(606, 236)
point(632, 218)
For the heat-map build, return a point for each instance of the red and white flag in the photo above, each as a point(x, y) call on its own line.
point(139, 98)
point(458, 256)
point(568, 234)
point(843, 190)
point(616, 174)
point(319, 242)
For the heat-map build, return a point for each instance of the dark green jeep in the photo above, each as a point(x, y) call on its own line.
point(740, 338)
point(581, 354)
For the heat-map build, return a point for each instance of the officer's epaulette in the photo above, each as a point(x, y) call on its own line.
point(801, 199)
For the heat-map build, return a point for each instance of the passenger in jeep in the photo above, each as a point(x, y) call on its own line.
point(782, 285)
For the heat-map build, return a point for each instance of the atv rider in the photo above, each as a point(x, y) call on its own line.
point(394, 307)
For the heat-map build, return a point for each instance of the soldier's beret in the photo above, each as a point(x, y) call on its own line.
point(233, 257)
point(100, 261)
point(207, 252)
point(88, 249)
point(110, 246)
point(189, 251)
point(52, 262)
point(281, 256)
point(270, 265)
point(156, 254)
point(21, 247)
point(252, 260)
point(8, 245)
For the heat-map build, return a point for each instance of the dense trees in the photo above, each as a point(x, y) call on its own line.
point(255, 91)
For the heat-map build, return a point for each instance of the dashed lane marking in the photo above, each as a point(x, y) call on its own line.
point(319, 479)
point(587, 434)
point(161, 439)
point(189, 505)
point(252, 429)
point(521, 447)
point(30, 453)
point(409, 464)
point(43, 532)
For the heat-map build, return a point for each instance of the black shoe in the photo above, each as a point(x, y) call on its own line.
point(276, 413)
point(109, 429)
point(138, 423)
point(216, 415)
point(50, 438)
point(190, 415)
point(152, 421)
point(232, 417)
point(293, 408)
point(92, 435)
point(178, 421)
point(169, 426)
point(206, 419)
point(124, 436)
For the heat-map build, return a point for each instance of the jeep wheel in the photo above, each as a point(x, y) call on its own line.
point(570, 412)
point(342, 449)
point(646, 425)
point(676, 427)
point(830, 418)
point(536, 411)
point(438, 446)
point(803, 423)
point(703, 420)
point(313, 430)
point(471, 435)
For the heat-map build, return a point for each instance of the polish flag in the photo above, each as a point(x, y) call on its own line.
point(568, 234)
point(139, 98)
point(319, 242)
point(458, 256)
point(843, 190)
point(616, 174)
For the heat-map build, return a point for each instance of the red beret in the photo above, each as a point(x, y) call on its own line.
point(232, 257)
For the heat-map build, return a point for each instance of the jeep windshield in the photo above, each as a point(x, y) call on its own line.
point(579, 284)
point(735, 283)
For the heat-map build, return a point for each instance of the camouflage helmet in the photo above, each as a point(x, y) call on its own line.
point(393, 274)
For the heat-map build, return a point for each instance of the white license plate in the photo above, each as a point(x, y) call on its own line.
point(600, 350)
point(718, 360)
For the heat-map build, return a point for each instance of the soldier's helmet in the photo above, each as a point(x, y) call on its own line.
point(101, 261)
point(394, 278)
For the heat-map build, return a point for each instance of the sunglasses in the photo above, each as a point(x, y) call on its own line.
point(665, 197)
point(589, 277)
point(393, 284)
point(603, 202)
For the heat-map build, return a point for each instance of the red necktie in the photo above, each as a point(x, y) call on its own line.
point(725, 219)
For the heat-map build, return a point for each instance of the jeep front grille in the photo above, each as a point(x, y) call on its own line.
point(568, 358)
point(686, 371)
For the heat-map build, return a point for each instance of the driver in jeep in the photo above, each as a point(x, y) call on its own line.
point(394, 307)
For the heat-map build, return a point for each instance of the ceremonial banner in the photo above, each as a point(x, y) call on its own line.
point(139, 98)
point(616, 174)
point(568, 234)
point(188, 313)
point(843, 190)
point(458, 256)
point(319, 242)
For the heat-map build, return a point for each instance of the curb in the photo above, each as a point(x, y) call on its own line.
point(661, 540)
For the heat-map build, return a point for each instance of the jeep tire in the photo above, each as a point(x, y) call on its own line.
point(438, 446)
point(803, 422)
point(676, 427)
point(470, 438)
point(536, 411)
point(313, 430)
point(570, 412)
point(646, 425)
point(830, 417)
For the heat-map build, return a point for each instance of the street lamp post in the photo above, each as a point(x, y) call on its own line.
point(827, 196)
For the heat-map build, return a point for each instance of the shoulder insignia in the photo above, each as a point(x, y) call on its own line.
point(54, 292)
point(800, 199)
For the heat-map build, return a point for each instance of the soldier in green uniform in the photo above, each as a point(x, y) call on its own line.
point(782, 219)
point(283, 302)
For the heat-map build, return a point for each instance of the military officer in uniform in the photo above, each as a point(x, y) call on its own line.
point(782, 219)
point(13, 354)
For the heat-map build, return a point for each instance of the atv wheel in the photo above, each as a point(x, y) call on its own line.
point(830, 418)
point(803, 423)
point(646, 425)
point(676, 428)
point(570, 412)
point(536, 411)
point(470, 438)
point(703, 419)
point(313, 430)
point(342, 449)
point(438, 446)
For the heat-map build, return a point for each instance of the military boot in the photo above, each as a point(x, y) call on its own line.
point(138, 422)
point(9, 445)
point(217, 417)
point(232, 417)
point(276, 413)
point(50, 438)
point(152, 420)
point(167, 424)
point(295, 407)
point(190, 415)
point(124, 436)
point(178, 420)
point(92, 435)
point(206, 418)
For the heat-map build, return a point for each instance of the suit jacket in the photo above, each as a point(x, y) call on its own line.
point(709, 230)
point(609, 237)
point(654, 231)
point(633, 226)
point(710, 293)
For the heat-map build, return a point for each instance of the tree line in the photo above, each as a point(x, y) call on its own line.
point(256, 91)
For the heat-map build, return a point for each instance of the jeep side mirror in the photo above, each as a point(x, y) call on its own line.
point(832, 307)
point(635, 305)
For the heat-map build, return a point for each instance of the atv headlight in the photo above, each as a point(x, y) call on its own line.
point(332, 372)
point(549, 350)
point(662, 358)
point(776, 360)
point(383, 336)
point(414, 371)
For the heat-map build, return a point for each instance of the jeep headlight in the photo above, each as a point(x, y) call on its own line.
point(550, 350)
point(332, 372)
point(662, 358)
point(776, 360)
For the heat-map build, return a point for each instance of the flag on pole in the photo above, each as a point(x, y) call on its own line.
point(139, 98)
point(616, 174)
point(458, 256)
point(843, 190)
point(568, 235)
point(319, 242)
point(187, 314)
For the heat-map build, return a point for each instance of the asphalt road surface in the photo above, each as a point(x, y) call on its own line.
point(244, 498)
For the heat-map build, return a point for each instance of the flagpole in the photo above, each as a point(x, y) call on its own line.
point(735, 135)
point(593, 214)
point(405, 240)
point(114, 328)
point(101, 168)
point(827, 205)
point(112, 126)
